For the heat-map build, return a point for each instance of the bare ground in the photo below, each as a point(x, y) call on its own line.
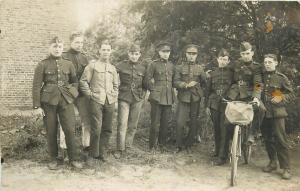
point(25, 167)
point(143, 171)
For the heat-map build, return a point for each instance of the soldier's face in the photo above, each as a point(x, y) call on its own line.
point(105, 51)
point(247, 55)
point(223, 61)
point(134, 56)
point(56, 49)
point(270, 64)
point(77, 43)
point(164, 54)
point(191, 54)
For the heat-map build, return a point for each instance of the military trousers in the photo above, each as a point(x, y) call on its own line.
point(185, 111)
point(160, 115)
point(82, 105)
point(66, 114)
point(101, 126)
point(221, 133)
point(128, 117)
point(273, 131)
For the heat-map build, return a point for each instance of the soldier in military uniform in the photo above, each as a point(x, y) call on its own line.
point(247, 85)
point(132, 92)
point(159, 77)
point(218, 84)
point(54, 90)
point(80, 61)
point(99, 82)
point(189, 80)
point(276, 93)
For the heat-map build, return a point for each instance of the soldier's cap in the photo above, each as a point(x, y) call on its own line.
point(223, 52)
point(56, 40)
point(271, 55)
point(245, 46)
point(134, 48)
point(163, 46)
point(192, 48)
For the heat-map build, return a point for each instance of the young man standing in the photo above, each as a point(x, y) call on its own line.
point(54, 91)
point(159, 78)
point(99, 82)
point(189, 80)
point(80, 61)
point(132, 92)
point(218, 85)
point(247, 85)
point(276, 94)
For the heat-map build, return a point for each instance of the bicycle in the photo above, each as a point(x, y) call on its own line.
point(240, 114)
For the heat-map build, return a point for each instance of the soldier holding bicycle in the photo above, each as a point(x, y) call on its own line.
point(247, 85)
point(218, 84)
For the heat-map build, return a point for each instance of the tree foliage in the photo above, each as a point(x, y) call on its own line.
point(220, 24)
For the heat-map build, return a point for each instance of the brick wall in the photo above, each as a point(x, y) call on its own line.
point(26, 27)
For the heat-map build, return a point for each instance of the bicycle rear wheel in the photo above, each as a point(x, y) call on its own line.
point(247, 150)
point(246, 146)
point(234, 155)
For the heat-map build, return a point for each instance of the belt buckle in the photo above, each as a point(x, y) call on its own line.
point(219, 92)
point(60, 83)
point(241, 82)
point(132, 85)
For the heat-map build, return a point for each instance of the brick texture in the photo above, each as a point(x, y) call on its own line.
point(26, 28)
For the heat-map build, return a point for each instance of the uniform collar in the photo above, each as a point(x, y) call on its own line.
point(163, 60)
point(133, 63)
point(191, 63)
point(72, 51)
point(54, 57)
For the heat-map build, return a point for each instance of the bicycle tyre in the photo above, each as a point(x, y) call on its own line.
point(247, 153)
point(234, 157)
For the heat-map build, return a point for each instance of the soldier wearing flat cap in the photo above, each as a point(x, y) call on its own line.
point(218, 84)
point(80, 61)
point(54, 91)
point(247, 85)
point(159, 78)
point(132, 92)
point(189, 80)
point(277, 92)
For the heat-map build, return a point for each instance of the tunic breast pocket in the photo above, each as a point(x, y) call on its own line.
point(99, 74)
point(50, 75)
point(66, 74)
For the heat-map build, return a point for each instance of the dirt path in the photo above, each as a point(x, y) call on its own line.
point(161, 172)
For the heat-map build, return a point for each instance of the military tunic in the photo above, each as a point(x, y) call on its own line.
point(54, 89)
point(133, 85)
point(273, 126)
point(188, 100)
point(247, 81)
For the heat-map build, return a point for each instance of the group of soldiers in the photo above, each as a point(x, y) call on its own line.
point(63, 80)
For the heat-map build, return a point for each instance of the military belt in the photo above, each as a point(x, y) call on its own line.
point(59, 83)
point(219, 92)
point(242, 83)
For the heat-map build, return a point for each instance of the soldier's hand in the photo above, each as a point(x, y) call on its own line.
point(192, 83)
point(256, 101)
point(276, 99)
point(39, 112)
point(207, 111)
point(208, 73)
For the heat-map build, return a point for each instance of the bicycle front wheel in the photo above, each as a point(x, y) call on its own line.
point(234, 155)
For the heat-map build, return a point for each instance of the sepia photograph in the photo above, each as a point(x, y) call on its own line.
point(149, 95)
